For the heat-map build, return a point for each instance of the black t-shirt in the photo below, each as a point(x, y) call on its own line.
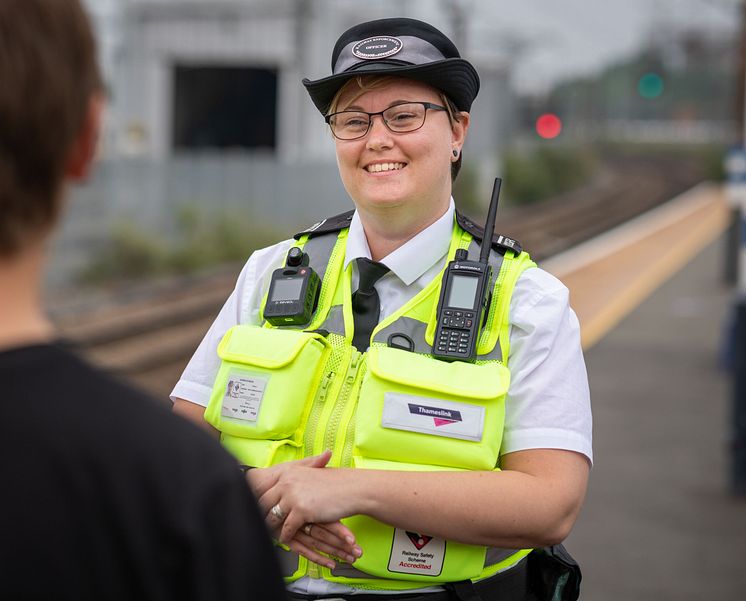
point(104, 494)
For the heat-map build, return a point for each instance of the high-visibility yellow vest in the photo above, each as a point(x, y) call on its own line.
point(283, 394)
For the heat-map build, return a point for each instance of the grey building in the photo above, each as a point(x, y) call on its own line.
point(197, 75)
point(207, 109)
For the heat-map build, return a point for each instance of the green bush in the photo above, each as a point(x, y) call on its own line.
point(130, 253)
point(199, 241)
point(545, 172)
point(707, 159)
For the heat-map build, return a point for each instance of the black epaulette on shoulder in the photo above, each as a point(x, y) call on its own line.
point(499, 243)
point(334, 224)
point(330, 224)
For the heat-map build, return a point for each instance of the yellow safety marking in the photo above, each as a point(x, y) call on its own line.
point(612, 274)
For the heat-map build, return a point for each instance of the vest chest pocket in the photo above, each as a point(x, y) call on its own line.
point(416, 409)
point(266, 382)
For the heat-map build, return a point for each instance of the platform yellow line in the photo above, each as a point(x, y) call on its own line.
point(611, 275)
point(648, 280)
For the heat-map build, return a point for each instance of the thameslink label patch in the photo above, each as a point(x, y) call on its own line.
point(441, 417)
point(377, 47)
point(243, 397)
point(433, 416)
point(414, 553)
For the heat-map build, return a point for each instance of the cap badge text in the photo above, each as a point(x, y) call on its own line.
point(377, 47)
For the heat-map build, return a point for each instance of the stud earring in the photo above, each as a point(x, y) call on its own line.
point(455, 152)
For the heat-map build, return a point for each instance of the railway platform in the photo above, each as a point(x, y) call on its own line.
point(658, 523)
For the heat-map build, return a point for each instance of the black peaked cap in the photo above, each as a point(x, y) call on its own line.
point(399, 47)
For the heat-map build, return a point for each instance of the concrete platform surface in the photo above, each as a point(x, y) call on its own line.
point(658, 522)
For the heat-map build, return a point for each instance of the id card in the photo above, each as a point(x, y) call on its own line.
point(243, 397)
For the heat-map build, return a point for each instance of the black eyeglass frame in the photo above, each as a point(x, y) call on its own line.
point(427, 105)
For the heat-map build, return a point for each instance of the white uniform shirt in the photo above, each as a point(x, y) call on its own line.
point(548, 402)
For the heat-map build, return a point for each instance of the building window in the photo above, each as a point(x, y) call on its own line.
point(224, 107)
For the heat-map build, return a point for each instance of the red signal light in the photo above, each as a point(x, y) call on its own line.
point(548, 126)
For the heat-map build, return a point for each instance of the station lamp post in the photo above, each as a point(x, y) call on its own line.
point(736, 187)
point(736, 167)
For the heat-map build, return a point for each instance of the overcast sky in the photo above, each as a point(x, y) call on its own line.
point(550, 40)
point(562, 38)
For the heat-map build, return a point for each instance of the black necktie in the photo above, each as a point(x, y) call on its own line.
point(365, 302)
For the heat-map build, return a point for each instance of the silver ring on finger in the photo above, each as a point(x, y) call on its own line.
point(278, 512)
point(307, 529)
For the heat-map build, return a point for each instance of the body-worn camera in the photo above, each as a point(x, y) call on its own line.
point(293, 292)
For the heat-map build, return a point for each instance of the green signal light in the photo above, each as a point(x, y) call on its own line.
point(650, 85)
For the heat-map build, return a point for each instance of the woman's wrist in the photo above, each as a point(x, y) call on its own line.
point(365, 488)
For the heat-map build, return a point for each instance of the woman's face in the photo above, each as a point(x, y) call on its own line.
point(384, 169)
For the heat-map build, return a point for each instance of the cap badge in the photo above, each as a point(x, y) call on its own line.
point(377, 47)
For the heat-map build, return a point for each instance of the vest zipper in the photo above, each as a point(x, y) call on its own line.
point(348, 422)
point(332, 426)
point(313, 570)
point(315, 415)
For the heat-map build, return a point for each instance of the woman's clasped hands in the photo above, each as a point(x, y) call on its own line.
point(303, 504)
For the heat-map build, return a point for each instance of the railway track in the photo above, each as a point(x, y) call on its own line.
point(633, 186)
point(149, 336)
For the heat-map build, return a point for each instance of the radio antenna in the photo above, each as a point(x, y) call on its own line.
point(489, 226)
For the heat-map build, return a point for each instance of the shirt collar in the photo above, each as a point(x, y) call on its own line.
point(413, 258)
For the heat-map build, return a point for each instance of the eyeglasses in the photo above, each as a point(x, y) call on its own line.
point(400, 118)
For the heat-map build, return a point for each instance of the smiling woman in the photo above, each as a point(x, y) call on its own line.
point(379, 467)
point(395, 145)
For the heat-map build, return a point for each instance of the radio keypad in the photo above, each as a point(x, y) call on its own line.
point(453, 340)
point(454, 335)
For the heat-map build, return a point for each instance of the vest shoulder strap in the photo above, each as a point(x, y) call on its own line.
point(496, 339)
point(328, 225)
point(336, 223)
point(500, 243)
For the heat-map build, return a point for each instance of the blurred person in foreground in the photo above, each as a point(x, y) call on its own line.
point(447, 474)
point(105, 494)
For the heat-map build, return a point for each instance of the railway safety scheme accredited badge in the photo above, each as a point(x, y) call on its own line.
point(414, 553)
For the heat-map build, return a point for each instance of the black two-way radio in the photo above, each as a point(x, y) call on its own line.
point(293, 291)
point(465, 296)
